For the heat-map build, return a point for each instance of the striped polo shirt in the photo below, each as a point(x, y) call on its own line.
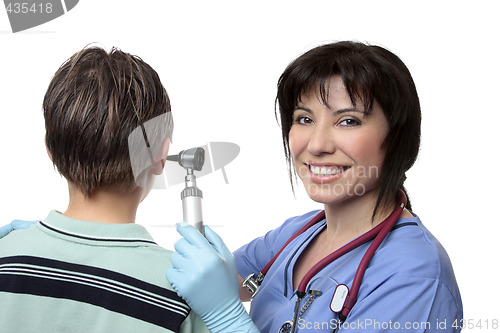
point(67, 275)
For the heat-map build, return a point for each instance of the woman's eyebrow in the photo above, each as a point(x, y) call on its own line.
point(303, 108)
point(337, 112)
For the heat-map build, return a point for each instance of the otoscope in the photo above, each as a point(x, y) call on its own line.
point(191, 160)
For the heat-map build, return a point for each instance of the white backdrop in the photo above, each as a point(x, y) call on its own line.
point(220, 61)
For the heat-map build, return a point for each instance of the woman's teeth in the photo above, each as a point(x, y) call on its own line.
point(326, 171)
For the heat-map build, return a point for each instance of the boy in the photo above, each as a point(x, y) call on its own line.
point(91, 268)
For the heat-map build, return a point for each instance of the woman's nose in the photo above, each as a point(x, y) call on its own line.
point(321, 140)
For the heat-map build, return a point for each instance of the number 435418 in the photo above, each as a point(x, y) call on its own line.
point(25, 8)
point(476, 324)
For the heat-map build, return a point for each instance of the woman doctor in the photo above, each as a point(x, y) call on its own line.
point(350, 118)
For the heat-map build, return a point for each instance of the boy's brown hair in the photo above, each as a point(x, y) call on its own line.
point(93, 103)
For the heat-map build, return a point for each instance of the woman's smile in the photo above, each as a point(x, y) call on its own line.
point(320, 173)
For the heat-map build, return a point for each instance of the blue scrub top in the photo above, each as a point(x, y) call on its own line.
point(408, 286)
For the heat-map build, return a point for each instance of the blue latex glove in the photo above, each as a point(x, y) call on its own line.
point(15, 225)
point(204, 274)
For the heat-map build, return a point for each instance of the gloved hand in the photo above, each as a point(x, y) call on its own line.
point(15, 225)
point(204, 274)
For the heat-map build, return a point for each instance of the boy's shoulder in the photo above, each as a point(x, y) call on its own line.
point(126, 249)
point(109, 270)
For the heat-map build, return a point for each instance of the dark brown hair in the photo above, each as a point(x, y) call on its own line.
point(94, 101)
point(370, 73)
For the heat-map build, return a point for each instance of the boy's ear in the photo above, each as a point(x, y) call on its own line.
point(48, 151)
point(161, 157)
point(164, 152)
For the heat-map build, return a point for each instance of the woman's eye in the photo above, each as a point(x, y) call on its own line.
point(303, 120)
point(349, 122)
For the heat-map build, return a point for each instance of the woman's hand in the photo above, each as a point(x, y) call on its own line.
point(204, 274)
point(15, 225)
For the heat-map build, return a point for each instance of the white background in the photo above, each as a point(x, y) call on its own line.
point(220, 61)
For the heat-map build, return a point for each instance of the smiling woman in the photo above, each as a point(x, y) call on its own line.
point(350, 118)
point(365, 79)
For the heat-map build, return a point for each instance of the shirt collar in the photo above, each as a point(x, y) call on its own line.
point(85, 231)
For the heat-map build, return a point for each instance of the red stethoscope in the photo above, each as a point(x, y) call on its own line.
point(343, 298)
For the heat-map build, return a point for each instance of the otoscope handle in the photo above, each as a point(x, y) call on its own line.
point(191, 203)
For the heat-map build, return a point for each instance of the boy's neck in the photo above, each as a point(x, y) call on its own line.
point(105, 206)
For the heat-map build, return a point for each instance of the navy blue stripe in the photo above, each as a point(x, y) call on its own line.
point(98, 282)
point(91, 270)
point(96, 239)
point(14, 282)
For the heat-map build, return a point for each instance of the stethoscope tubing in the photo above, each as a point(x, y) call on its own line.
point(378, 234)
point(317, 218)
point(387, 226)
